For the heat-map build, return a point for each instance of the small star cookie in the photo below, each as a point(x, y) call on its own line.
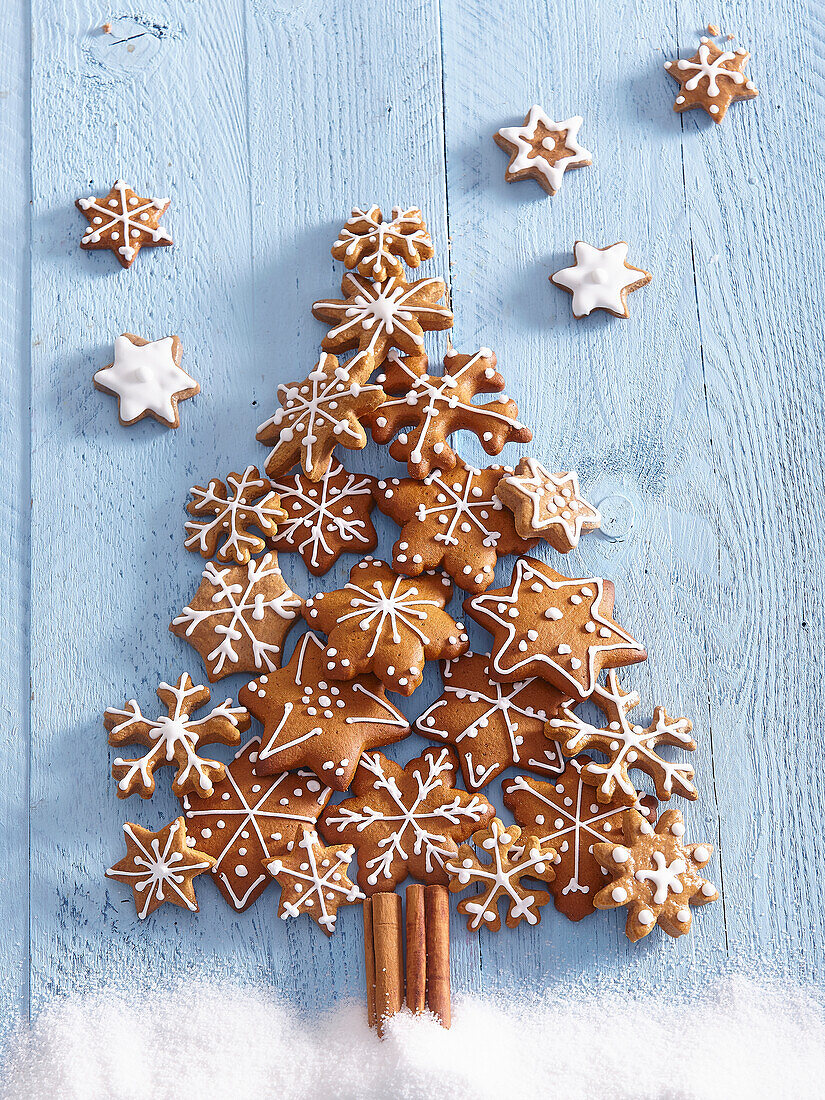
point(547, 505)
point(542, 150)
point(147, 379)
point(245, 500)
point(123, 222)
point(378, 249)
point(313, 880)
point(601, 278)
point(160, 867)
point(712, 79)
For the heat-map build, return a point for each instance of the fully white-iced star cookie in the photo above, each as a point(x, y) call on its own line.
point(147, 379)
point(601, 278)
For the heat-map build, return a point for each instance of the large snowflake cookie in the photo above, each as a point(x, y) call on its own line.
point(239, 616)
point(387, 624)
point(313, 880)
point(248, 819)
point(378, 249)
point(243, 501)
point(123, 222)
point(405, 821)
point(712, 79)
point(174, 738)
point(311, 721)
point(556, 627)
point(547, 505)
point(160, 866)
point(542, 150)
point(600, 278)
point(147, 379)
point(432, 408)
point(655, 874)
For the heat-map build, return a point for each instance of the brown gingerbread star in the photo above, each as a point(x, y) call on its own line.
point(313, 880)
point(124, 222)
point(547, 505)
point(160, 866)
point(712, 79)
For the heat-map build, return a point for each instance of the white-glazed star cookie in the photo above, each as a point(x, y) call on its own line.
point(601, 278)
point(542, 150)
point(147, 379)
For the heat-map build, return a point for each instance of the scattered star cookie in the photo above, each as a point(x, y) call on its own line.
point(387, 624)
point(160, 867)
point(433, 408)
point(243, 501)
point(326, 518)
point(494, 726)
point(555, 627)
point(563, 815)
point(147, 379)
point(712, 79)
point(316, 414)
point(655, 874)
point(377, 249)
point(123, 222)
point(405, 821)
point(627, 746)
point(239, 617)
point(248, 819)
point(549, 506)
point(313, 880)
point(313, 722)
point(452, 520)
point(511, 856)
point(174, 738)
point(600, 278)
point(542, 150)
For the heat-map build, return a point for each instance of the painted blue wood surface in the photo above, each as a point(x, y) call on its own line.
point(701, 417)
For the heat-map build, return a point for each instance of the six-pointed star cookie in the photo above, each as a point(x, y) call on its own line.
point(310, 721)
point(601, 278)
point(542, 150)
point(386, 624)
point(313, 880)
point(453, 520)
point(147, 379)
point(379, 249)
point(712, 79)
point(160, 866)
point(123, 222)
point(548, 625)
point(547, 505)
point(245, 500)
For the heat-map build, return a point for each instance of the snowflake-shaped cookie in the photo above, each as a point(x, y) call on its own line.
point(655, 874)
point(174, 738)
point(405, 821)
point(712, 79)
point(376, 248)
point(600, 278)
point(434, 407)
point(313, 880)
point(239, 617)
point(317, 413)
point(326, 518)
point(510, 857)
point(627, 746)
point(452, 520)
point(563, 815)
point(245, 500)
point(147, 379)
point(542, 150)
point(494, 726)
point(123, 222)
point(248, 819)
point(160, 866)
point(547, 505)
point(386, 624)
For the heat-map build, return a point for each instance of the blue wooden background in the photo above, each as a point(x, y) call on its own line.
point(697, 424)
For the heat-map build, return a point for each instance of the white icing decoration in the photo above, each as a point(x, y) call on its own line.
point(664, 878)
point(127, 219)
point(158, 871)
point(598, 278)
point(382, 309)
point(317, 884)
point(705, 69)
point(232, 515)
point(523, 138)
point(145, 378)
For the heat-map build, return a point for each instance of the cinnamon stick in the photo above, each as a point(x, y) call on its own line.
point(389, 960)
point(369, 961)
point(437, 925)
point(416, 949)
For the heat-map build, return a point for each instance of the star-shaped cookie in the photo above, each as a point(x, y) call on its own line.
point(600, 278)
point(542, 150)
point(147, 379)
point(310, 721)
point(160, 866)
point(123, 222)
point(712, 79)
point(231, 508)
point(313, 880)
point(547, 505)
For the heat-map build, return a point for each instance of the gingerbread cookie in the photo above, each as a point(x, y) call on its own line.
point(123, 222)
point(655, 874)
point(175, 738)
point(313, 880)
point(245, 500)
point(547, 505)
point(712, 79)
point(312, 722)
point(626, 746)
point(494, 726)
point(542, 150)
point(405, 821)
point(600, 278)
point(324, 409)
point(386, 624)
point(433, 408)
point(453, 520)
point(564, 815)
point(248, 819)
point(326, 518)
point(377, 249)
point(239, 617)
point(160, 867)
point(147, 379)
point(510, 857)
point(555, 627)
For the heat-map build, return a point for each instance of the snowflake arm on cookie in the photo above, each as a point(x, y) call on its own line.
point(547, 505)
point(313, 880)
point(147, 379)
point(712, 79)
point(378, 249)
point(600, 278)
point(123, 222)
point(542, 150)
point(160, 866)
point(245, 500)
